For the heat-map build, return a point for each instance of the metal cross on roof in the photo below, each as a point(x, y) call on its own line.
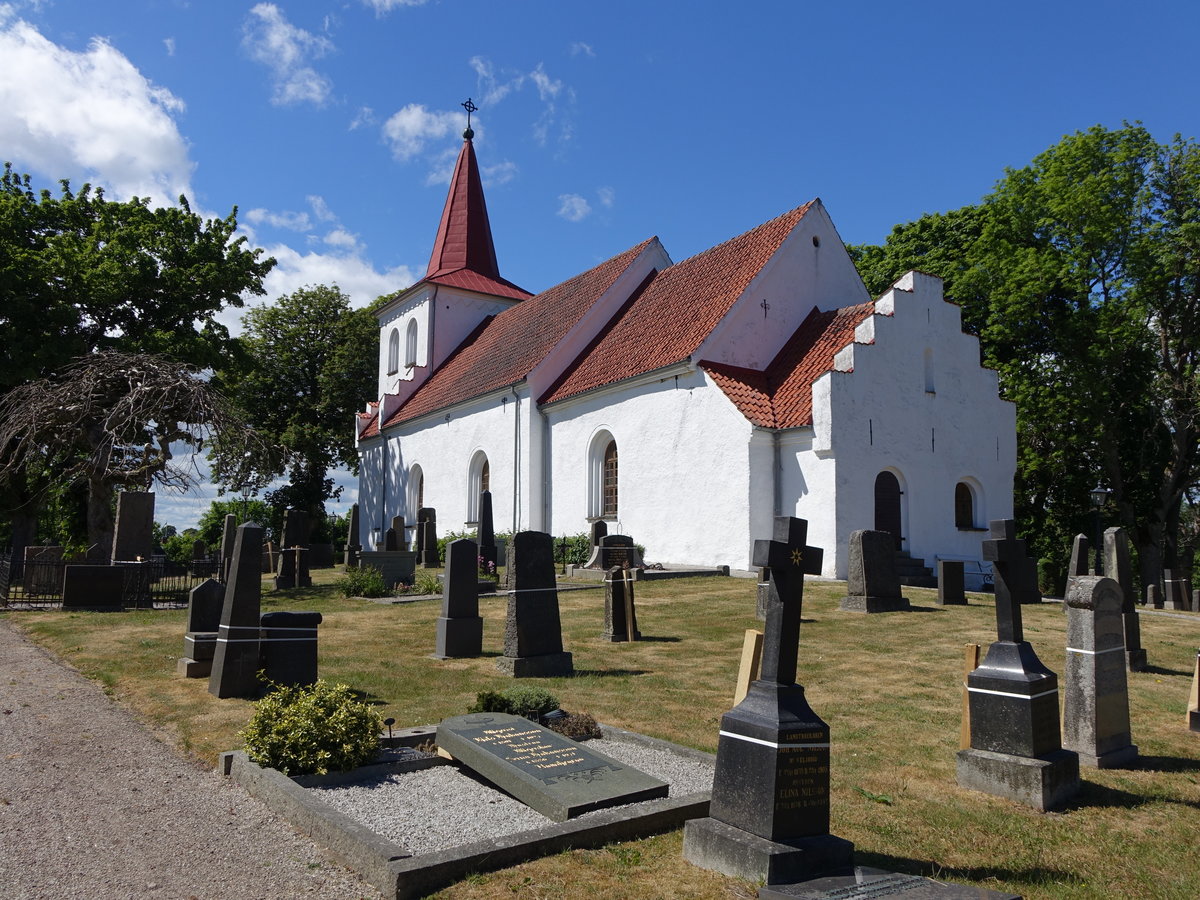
point(788, 560)
point(765, 306)
point(470, 108)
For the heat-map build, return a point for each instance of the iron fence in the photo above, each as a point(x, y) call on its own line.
point(158, 583)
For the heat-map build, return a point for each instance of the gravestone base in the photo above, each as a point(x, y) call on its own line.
point(875, 604)
point(1120, 758)
point(1044, 782)
point(1194, 719)
point(459, 637)
point(1135, 660)
point(720, 847)
point(193, 668)
point(547, 665)
point(864, 882)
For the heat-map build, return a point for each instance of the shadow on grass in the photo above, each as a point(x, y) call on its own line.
point(644, 639)
point(608, 673)
point(368, 698)
point(1167, 764)
point(1098, 796)
point(929, 869)
point(1159, 670)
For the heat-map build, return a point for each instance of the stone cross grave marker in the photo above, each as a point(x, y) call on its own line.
point(487, 533)
point(769, 815)
point(1016, 742)
point(620, 617)
point(460, 627)
point(133, 537)
point(1095, 688)
point(872, 585)
point(236, 660)
point(558, 777)
point(533, 629)
point(204, 620)
point(951, 584)
point(1118, 567)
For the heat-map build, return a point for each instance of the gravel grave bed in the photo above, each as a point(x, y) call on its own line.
point(445, 807)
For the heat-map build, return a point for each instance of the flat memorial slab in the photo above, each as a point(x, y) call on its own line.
point(864, 883)
point(554, 775)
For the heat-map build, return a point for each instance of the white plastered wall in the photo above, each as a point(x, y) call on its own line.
point(876, 412)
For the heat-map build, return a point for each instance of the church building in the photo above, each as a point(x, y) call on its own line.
point(686, 404)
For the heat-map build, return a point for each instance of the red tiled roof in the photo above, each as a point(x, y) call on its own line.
point(372, 428)
point(781, 396)
point(463, 247)
point(677, 311)
point(505, 348)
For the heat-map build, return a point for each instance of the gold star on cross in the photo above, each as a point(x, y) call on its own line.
point(797, 556)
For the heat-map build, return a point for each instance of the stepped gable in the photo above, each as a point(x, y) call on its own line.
point(677, 311)
point(781, 396)
point(464, 255)
point(507, 347)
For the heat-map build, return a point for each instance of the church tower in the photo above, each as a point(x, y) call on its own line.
point(462, 287)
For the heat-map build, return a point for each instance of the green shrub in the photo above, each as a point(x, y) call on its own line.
point(427, 583)
point(364, 582)
point(515, 700)
point(312, 730)
point(489, 701)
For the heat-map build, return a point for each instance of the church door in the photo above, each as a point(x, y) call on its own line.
point(887, 505)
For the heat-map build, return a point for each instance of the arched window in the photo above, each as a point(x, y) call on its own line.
point(416, 491)
point(964, 506)
point(609, 500)
point(393, 364)
point(479, 479)
point(888, 511)
point(410, 344)
point(602, 476)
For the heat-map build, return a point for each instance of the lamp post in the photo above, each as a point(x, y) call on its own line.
point(1099, 495)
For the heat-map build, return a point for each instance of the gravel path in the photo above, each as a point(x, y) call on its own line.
point(92, 805)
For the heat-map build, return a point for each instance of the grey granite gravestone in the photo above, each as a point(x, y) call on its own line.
point(1081, 550)
point(133, 537)
point(533, 630)
point(1154, 596)
point(620, 617)
point(558, 777)
point(93, 587)
point(1118, 567)
point(1095, 688)
point(769, 815)
point(872, 585)
point(1016, 743)
point(236, 661)
point(353, 541)
point(460, 627)
point(200, 639)
point(951, 583)
point(289, 647)
point(427, 550)
point(865, 883)
point(228, 539)
point(1175, 591)
point(487, 534)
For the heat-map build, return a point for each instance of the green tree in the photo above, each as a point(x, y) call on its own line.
point(307, 358)
point(212, 521)
point(1079, 274)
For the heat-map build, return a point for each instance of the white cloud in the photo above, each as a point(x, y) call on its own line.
point(169, 43)
point(320, 208)
point(579, 48)
point(88, 114)
point(286, 50)
point(350, 271)
point(607, 196)
point(548, 87)
point(408, 130)
point(493, 90)
point(342, 239)
point(382, 7)
point(573, 207)
point(364, 116)
point(500, 173)
point(293, 221)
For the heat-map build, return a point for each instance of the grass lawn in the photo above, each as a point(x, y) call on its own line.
point(889, 686)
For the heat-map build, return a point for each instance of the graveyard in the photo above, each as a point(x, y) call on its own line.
point(889, 686)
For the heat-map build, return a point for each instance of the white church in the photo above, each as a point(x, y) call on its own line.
point(685, 404)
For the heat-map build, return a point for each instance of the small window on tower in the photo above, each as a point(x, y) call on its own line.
point(609, 506)
point(410, 344)
point(393, 364)
point(964, 506)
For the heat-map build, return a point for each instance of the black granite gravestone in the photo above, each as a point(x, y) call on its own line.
point(1016, 744)
point(1118, 567)
point(427, 549)
point(228, 538)
point(200, 639)
point(1095, 688)
point(391, 541)
point(199, 550)
point(236, 661)
point(558, 777)
point(460, 627)
point(487, 535)
point(872, 585)
point(620, 617)
point(598, 530)
point(1175, 591)
point(951, 583)
point(289, 647)
point(133, 534)
point(533, 629)
point(353, 539)
point(398, 526)
point(296, 529)
point(93, 587)
point(769, 815)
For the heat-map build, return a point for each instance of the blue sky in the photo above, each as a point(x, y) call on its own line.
point(333, 126)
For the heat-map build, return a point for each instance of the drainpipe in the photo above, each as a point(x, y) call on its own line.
point(516, 453)
point(777, 466)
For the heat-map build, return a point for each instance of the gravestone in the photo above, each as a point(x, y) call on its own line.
point(867, 883)
point(558, 777)
point(93, 587)
point(204, 619)
point(762, 594)
point(199, 550)
point(1016, 743)
point(487, 534)
point(951, 583)
point(533, 630)
point(1096, 691)
point(1154, 596)
point(1117, 566)
point(1175, 591)
point(460, 627)
point(1193, 714)
point(400, 541)
point(598, 530)
point(872, 585)
point(228, 539)
point(353, 542)
point(391, 540)
point(296, 529)
point(769, 815)
point(236, 661)
point(293, 569)
point(1081, 550)
point(133, 537)
point(289, 647)
point(620, 617)
point(427, 550)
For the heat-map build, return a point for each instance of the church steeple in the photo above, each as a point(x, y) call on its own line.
point(463, 253)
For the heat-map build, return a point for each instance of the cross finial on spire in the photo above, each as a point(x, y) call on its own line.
point(470, 108)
